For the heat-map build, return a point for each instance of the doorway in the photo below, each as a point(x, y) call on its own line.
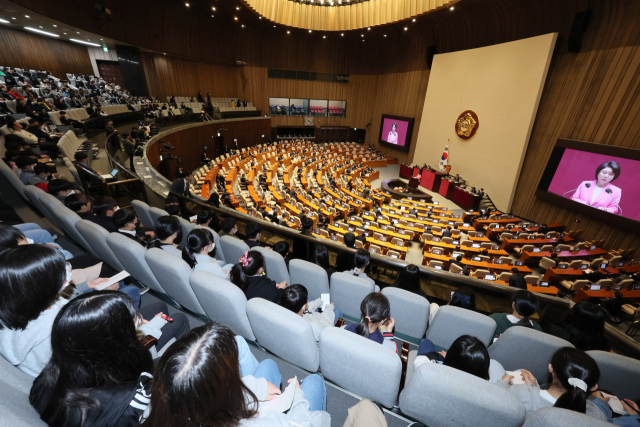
point(110, 72)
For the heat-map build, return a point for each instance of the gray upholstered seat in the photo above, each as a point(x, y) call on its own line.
point(450, 323)
point(96, 237)
point(15, 409)
point(13, 179)
point(49, 203)
point(348, 291)
point(173, 275)
point(558, 417)
point(441, 396)
point(186, 229)
point(216, 237)
point(142, 212)
point(222, 301)
point(275, 265)
point(15, 377)
point(311, 276)
point(156, 213)
point(520, 347)
point(360, 365)
point(131, 256)
point(619, 374)
point(410, 311)
point(233, 248)
point(294, 340)
point(67, 219)
point(34, 193)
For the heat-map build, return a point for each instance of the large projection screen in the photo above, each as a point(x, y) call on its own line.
point(503, 85)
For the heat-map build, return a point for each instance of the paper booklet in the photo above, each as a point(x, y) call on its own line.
point(81, 275)
point(517, 377)
point(115, 279)
point(281, 403)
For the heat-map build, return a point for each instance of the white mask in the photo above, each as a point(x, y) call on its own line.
point(69, 275)
point(29, 240)
point(213, 246)
point(71, 192)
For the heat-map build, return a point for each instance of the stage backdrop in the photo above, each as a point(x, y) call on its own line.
point(503, 84)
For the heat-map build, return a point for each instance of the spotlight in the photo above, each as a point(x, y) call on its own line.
point(451, 8)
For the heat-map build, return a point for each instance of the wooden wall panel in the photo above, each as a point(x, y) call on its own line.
point(20, 49)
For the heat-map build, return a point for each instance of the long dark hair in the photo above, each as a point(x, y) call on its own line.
point(240, 273)
point(94, 345)
point(10, 237)
point(584, 326)
point(375, 308)
point(31, 276)
point(197, 239)
point(321, 256)
point(197, 382)
point(409, 279)
point(469, 354)
point(526, 304)
point(573, 363)
point(361, 258)
point(464, 298)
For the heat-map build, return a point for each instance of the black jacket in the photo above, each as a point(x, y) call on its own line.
point(517, 281)
point(134, 238)
point(178, 187)
point(345, 261)
point(263, 287)
point(104, 222)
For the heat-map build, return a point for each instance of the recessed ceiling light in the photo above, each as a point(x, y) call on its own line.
point(451, 8)
point(242, 25)
point(78, 32)
point(342, 34)
point(361, 35)
point(40, 26)
point(237, 8)
point(13, 17)
point(259, 17)
point(41, 32)
point(186, 4)
point(235, 18)
point(26, 16)
point(101, 39)
point(406, 28)
point(4, 21)
point(309, 30)
point(164, 53)
point(64, 34)
point(385, 35)
point(274, 26)
point(288, 31)
point(213, 8)
point(324, 37)
point(413, 20)
point(83, 42)
point(55, 25)
point(369, 29)
point(362, 40)
point(212, 16)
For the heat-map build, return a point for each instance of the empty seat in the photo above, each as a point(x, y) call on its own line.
point(274, 264)
point(448, 325)
point(546, 263)
point(311, 276)
point(294, 340)
point(410, 311)
point(131, 256)
point(349, 360)
point(618, 373)
point(521, 347)
point(142, 212)
point(96, 237)
point(438, 395)
point(233, 248)
point(348, 291)
point(223, 302)
point(173, 275)
point(156, 213)
point(67, 219)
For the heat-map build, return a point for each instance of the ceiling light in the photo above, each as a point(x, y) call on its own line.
point(259, 17)
point(413, 20)
point(237, 8)
point(40, 26)
point(324, 37)
point(362, 40)
point(288, 31)
point(101, 39)
point(309, 30)
point(451, 8)
point(342, 34)
point(13, 17)
point(369, 29)
point(361, 35)
point(41, 32)
point(78, 32)
point(26, 16)
point(385, 35)
point(242, 25)
point(213, 8)
point(235, 18)
point(406, 28)
point(165, 53)
point(186, 4)
point(64, 34)
point(83, 42)
point(212, 16)
point(274, 26)
point(4, 21)
point(55, 25)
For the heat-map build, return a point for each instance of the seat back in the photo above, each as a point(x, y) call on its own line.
point(275, 265)
point(410, 311)
point(618, 373)
point(67, 219)
point(219, 252)
point(131, 256)
point(15, 407)
point(222, 301)
point(156, 213)
point(294, 342)
point(13, 179)
point(48, 203)
point(34, 193)
point(348, 291)
point(186, 229)
point(173, 275)
point(311, 276)
point(349, 360)
point(558, 417)
point(546, 263)
point(142, 212)
point(456, 398)
point(96, 237)
point(449, 323)
point(233, 248)
point(14, 377)
point(522, 347)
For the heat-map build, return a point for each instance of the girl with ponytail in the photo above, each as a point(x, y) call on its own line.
point(197, 253)
point(524, 304)
point(376, 312)
point(574, 376)
point(251, 277)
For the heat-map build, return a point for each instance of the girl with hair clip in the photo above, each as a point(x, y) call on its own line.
point(250, 275)
point(168, 230)
point(376, 322)
point(524, 305)
point(574, 375)
point(198, 251)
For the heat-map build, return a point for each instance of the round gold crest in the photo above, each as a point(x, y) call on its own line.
point(467, 125)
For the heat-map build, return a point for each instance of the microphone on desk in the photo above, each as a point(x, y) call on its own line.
point(586, 184)
point(608, 191)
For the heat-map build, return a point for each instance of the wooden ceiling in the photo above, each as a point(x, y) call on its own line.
point(355, 16)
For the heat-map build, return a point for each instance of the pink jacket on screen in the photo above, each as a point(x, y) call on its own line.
point(609, 202)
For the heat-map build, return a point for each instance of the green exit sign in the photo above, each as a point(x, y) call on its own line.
point(106, 49)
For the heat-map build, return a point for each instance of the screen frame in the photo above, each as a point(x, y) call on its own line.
point(411, 122)
point(552, 165)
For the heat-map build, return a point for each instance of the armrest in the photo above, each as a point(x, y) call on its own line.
point(148, 342)
point(404, 358)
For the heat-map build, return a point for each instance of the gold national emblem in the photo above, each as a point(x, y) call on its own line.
point(467, 125)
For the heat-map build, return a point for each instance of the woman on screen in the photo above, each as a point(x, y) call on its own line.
point(600, 193)
point(393, 135)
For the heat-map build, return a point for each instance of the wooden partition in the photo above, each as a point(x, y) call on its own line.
point(189, 142)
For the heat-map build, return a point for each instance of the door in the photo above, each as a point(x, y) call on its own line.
point(110, 72)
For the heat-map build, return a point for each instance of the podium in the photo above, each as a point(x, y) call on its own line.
point(414, 182)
